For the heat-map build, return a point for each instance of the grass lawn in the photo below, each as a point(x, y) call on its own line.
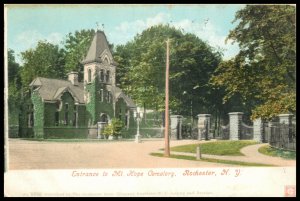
point(222, 148)
point(270, 151)
point(213, 160)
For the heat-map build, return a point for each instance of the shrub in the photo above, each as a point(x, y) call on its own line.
point(113, 128)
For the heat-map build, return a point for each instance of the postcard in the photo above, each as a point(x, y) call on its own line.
point(150, 100)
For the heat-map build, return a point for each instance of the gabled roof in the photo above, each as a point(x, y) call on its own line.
point(52, 89)
point(118, 93)
point(98, 46)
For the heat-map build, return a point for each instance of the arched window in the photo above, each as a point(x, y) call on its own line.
point(56, 118)
point(103, 118)
point(107, 76)
point(101, 95)
point(30, 120)
point(89, 75)
point(101, 75)
point(66, 113)
point(106, 61)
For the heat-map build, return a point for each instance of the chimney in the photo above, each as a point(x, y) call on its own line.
point(73, 78)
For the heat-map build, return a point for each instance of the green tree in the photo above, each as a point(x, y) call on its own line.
point(45, 60)
point(263, 72)
point(141, 69)
point(14, 85)
point(76, 46)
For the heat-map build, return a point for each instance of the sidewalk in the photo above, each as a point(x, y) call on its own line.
point(251, 156)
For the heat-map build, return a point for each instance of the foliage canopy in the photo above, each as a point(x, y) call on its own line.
point(263, 72)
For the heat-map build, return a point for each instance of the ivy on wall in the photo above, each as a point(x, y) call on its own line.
point(96, 106)
point(51, 109)
point(38, 114)
point(25, 109)
point(90, 106)
point(45, 113)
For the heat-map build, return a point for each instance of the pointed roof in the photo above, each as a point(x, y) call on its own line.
point(52, 89)
point(98, 46)
point(118, 93)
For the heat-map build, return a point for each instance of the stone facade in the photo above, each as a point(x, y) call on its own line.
point(285, 118)
point(55, 104)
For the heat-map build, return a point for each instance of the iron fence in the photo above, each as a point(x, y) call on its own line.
point(282, 136)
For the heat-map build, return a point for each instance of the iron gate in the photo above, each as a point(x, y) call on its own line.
point(283, 136)
point(246, 132)
point(223, 132)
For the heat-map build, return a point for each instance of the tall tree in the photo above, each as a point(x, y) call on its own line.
point(13, 66)
point(142, 64)
point(263, 73)
point(45, 60)
point(14, 86)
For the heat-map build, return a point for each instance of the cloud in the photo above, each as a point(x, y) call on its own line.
point(205, 30)
point(208, 32)
point(29, 39)
point(139, 25)
point(126, 31)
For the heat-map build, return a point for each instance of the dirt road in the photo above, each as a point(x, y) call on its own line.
point(25, 154)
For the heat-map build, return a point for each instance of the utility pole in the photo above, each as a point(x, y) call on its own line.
point(167, 144)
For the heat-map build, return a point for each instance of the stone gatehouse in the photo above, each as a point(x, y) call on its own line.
point(73, 104)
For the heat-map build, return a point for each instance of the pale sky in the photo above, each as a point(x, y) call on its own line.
point(27, 24)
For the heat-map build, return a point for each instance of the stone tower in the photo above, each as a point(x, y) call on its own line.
point(99, 74)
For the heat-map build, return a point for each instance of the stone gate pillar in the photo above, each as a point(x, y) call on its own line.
point(204, 127)
point(285, 118)
point(258, 130)
point(176, 127)
point(235, 121)
point(286, 130)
